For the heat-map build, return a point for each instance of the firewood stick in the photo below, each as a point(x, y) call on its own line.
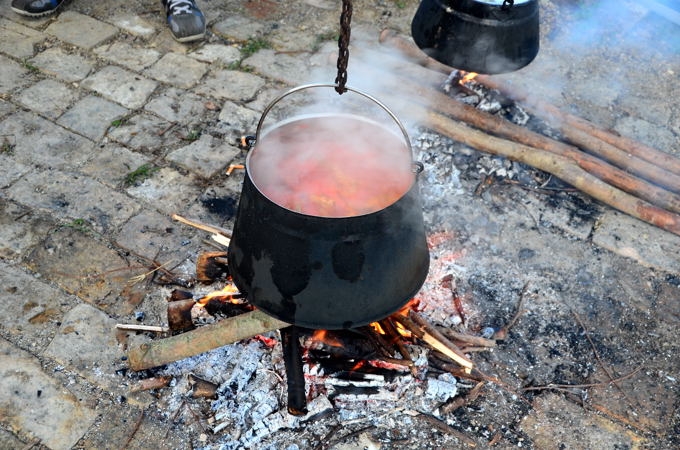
point(560, 166)
point(575, 129)
point(434, 339)
point(203, 339)
point(611, 174)
point(202, 226)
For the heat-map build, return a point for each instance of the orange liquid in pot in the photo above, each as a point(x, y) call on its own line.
point(332, 166)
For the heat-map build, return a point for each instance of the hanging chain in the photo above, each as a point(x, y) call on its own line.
point(343, 46)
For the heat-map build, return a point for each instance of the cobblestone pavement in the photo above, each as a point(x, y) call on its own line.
point(108, 126)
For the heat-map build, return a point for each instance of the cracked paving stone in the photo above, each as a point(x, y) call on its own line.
point(282, 67)
point(38, 141)
point(165, 70)
point(124, 54)
point(112, 163)
point(49, 98)
point(121, 86)
point(20, 229)
point(86, 343)
point(178, 105)
point(72, 258)
point(32, 309)
point(81, 30)
point(231, 85)
point(12, 75)
point(167, 190)
point(11, 170)
point(65, 66)
point(35, 403)
point(74, 197)
point(92, 116)
point(145, 133)
point(206, 157)
point(17, 40)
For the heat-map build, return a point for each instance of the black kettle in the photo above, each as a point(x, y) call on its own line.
point(483, 36)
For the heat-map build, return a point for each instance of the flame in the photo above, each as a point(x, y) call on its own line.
point(469, 76)
point(323, 336)
point(229, 293)
point(377, 328)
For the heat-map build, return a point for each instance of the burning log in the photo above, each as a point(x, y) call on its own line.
point(179, 315)
point(203, 339)
point(210, 266)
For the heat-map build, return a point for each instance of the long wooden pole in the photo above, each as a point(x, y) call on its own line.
point(560, 166)
point(622, 151)
point(200, 340)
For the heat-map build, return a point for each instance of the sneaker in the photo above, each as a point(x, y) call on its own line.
point(185, 20)
point(35, 8)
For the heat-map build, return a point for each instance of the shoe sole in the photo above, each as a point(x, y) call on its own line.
point(21, 12)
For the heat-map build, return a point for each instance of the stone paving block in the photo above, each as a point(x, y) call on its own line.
point(167, 190)
point(124, 54)
point(214, 53)
point(144, 133)
point(231, 85)
point(92, 116)
point(70, 196)
point(10, 442)
point(81, 30)
point(36, 405)
point(178, 105)
point(218, 203)
point(32, 309)
point(48, 98)
point(646, 244)
point(17, 40)
point(75, 260)
point(239, 119)
point(205, 157)
point(10, 169)
point(121, 86)
point(179, 70)
point(156, 236)
point(86, 343)
point(290, 69)
point(133, 24)
point(239, 28)
point(6, 108)
point(111, 163)
point(40, 142)
point(20, 229)
point(12, 75)
point(65, 66)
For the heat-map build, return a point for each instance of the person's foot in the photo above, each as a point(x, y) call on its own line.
point(185, 20)
point(35, 8)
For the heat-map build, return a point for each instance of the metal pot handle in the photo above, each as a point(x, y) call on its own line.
point(407, 139)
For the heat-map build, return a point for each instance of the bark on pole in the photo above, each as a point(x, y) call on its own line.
point(200, 340)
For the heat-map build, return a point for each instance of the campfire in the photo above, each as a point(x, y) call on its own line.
point(372, 358)
point(323, 369)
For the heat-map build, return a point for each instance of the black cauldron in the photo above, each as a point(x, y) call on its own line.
point(331, 269)
point(484, 36)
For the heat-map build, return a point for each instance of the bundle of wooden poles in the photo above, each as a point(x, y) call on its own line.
point(625, 174)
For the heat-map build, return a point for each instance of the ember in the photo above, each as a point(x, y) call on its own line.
point(332, 166)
